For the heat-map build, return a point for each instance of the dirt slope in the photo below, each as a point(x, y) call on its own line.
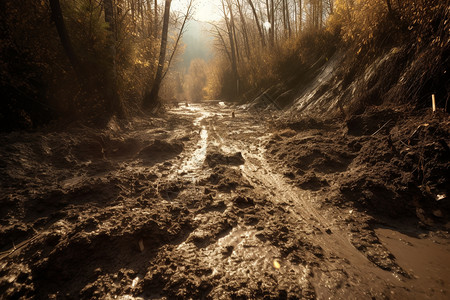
point(202, 205)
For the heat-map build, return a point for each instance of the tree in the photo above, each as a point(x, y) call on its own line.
point(180, 34)
point(231, 37)
point(300, 15)
point(244, 28)
point(389, 6)
point(258, 24)
point(65, 40)
point(151, 98)
point(114, 103)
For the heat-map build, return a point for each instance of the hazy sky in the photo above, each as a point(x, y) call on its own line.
point(205, 10)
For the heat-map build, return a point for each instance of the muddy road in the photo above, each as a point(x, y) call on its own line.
point(201, 204)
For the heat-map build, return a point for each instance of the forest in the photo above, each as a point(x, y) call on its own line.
point(100, 58)
point(224, 149)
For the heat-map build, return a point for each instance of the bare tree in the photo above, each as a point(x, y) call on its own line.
point(65, 40)
point(258, 24)
point(180, 34)
point(300, 15)
point(244, 28)
point(114, 103)
point(389, 6)
point(232, 44)
point(151, 98)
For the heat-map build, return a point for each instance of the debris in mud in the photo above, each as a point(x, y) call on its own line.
point(215, 158)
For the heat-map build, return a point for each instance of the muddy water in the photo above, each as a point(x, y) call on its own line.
point(426, 259)
point(196, 159)
point(180, 228)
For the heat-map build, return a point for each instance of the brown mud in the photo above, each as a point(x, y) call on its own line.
point(213, 202)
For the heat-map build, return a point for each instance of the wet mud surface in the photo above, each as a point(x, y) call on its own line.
point(203, 205)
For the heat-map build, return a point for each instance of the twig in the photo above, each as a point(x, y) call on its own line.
point(381, 128)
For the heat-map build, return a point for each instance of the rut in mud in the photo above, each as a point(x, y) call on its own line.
point(204, 205)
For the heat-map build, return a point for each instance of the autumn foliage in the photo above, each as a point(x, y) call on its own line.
point(302, 35)
point(38, 82)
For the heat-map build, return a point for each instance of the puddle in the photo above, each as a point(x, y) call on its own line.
point(426, 260)
point(195, 162)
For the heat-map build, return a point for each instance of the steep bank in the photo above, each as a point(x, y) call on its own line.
point(369, 126)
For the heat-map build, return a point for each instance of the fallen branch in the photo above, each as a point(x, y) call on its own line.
point(18, 247)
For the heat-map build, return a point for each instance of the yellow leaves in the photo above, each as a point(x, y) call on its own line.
point(144, 63)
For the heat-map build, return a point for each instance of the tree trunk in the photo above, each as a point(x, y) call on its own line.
point(155, 20)
point(232, 47)
point(272, 15)
point(389, 6)
point(270, 20)
point(180, 34)
point(320, 12)
point(65, 41)
point(244, 29)
point(233, 30)
point(255, 14)
point(114, 103)
point(300, 16)
point(284, 17)
point(288, 19)
point(224, 45)
point(151, 99)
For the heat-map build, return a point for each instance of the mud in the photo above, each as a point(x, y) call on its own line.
point(216, 202)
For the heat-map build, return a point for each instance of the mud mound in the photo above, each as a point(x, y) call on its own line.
point(372, 122)
point(93, 253)
point(216, 158)
point(225, 179)
point(377, 197)
point(311, 182)
point(40, 210)
point(160, 150)
point(316, 153)
point(385, 165)
point(122, 147)
point(308, 124)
